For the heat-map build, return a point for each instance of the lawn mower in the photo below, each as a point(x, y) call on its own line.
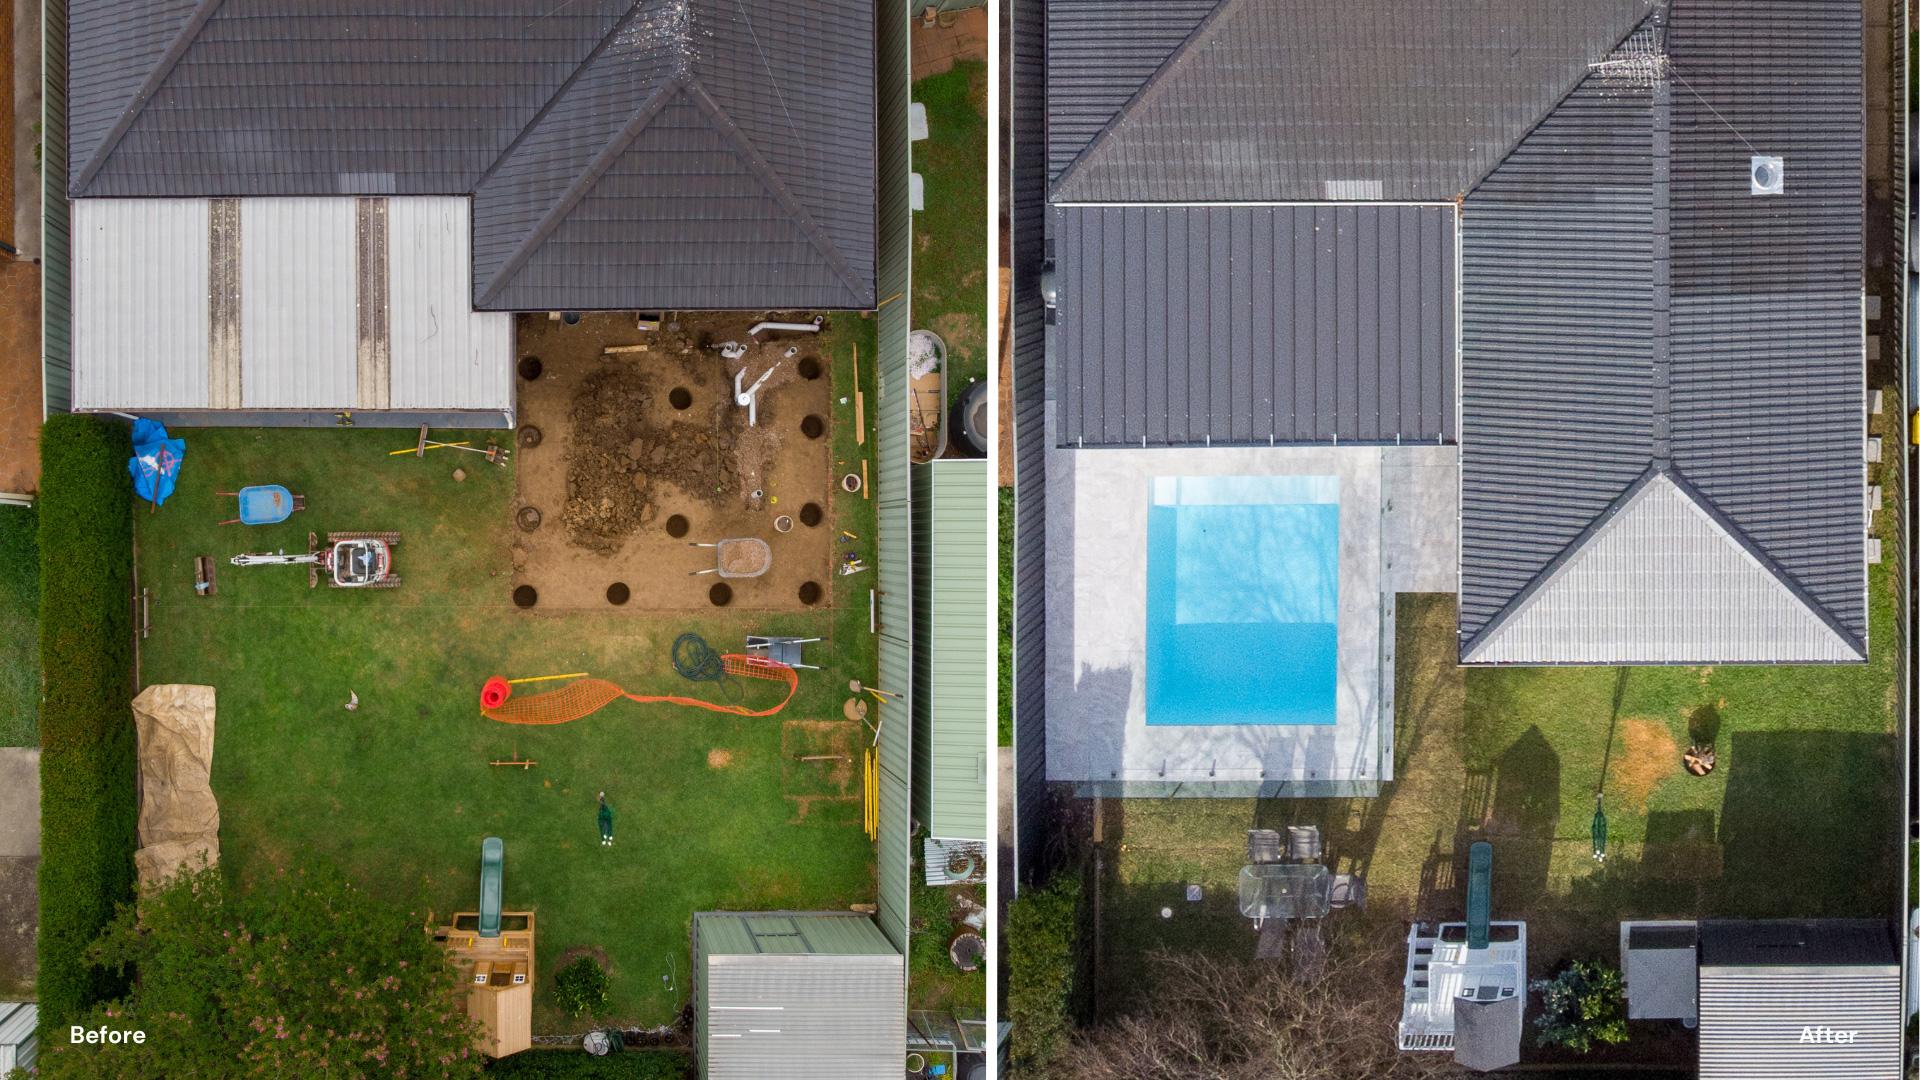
point(351, 560)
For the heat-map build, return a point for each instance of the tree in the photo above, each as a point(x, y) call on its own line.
point(1244, 1019)
point(1586, 1002)
point(301, 975)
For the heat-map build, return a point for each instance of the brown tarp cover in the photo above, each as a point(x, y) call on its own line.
point(179, 818)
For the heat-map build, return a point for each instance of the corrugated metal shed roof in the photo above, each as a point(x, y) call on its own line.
point(18, 1043)
point(825, 1002)
point(1273, 100)
point(292, 306)
point(754, 120)
point(953, 578)
point(1628, 305)
point(1254, 324)
point(1799, 1000)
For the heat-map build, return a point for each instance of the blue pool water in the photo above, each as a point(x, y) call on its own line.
point(1243, 592)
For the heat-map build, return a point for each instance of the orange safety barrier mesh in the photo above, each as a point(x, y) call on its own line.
point(588, 696)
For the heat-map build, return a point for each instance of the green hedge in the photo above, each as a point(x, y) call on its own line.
point(576, 1063)
point(88, 810)
point(1042, 971)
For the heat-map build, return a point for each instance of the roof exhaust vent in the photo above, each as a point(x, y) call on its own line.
point(1769, 175)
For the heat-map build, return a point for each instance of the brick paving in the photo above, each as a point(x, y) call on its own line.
point(937, 48)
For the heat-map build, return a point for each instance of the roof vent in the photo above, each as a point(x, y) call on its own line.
point(1769, 175)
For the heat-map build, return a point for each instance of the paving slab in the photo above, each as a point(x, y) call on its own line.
point(19, 802)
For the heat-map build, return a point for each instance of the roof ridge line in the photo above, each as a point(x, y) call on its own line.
point(559, 92)
point(183, 39)
point(1187, 44)
point(1659, 8)
point(582, 183)
point(1738, 535)
point(769, 179)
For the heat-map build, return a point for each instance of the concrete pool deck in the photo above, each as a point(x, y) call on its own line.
point(1398, 533)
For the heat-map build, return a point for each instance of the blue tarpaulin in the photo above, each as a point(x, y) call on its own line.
point(155, 464)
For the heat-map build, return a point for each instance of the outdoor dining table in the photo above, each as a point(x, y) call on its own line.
point(1284, 891)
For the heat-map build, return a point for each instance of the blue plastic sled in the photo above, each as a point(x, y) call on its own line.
point(265, 504)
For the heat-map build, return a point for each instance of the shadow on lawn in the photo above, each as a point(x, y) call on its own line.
point(1794, 835)
point(1515, 806)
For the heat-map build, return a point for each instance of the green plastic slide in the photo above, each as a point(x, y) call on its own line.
point(1479, 893)
point(492, 858)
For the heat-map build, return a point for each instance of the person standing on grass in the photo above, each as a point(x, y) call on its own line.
point(606, 822)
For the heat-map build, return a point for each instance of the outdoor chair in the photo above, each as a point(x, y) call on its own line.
point(1263, 846)
point(1303, 843)
point(1348, 890)
point(1309, 951)
point(783, 650)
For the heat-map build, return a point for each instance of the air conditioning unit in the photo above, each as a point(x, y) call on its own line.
point(1769, 175)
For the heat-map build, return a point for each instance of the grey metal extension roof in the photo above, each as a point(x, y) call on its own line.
point(1254, 324)
point(1799, 1000)
point(1630, 311)
point(664, 153)
point(1275, 100)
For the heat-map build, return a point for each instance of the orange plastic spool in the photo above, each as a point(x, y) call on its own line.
point(495, 693)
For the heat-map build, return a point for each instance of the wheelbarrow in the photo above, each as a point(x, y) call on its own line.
point(738, 557)
point(264, 504)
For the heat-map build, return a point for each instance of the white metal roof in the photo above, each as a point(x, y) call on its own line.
point(806, 1016)
point(318, 286)
point(18, 1020)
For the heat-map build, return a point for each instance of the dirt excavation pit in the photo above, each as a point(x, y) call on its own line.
point(643, 453)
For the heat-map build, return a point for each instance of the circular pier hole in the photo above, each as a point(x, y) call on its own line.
point(617, 593)
point(527, 517)
point(810, 515)
point(809, 368)
point(813, 427)
point(720, 595)
point(531, 367)
point(677, 526)
point(529, 435)
point(525, 596)
point(810, 593)
point(680, 398)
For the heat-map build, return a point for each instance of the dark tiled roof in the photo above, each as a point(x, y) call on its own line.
point(755, 189)
point(1629, 306)
point(1275, 100)
point(1255, 324)
point(1797, 942)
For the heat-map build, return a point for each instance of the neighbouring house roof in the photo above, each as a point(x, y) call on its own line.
point(1799, 1000)
point(810, 995)
point(1661, 369)
point(665, 153)
point(1281, 100)
point(1245, 325)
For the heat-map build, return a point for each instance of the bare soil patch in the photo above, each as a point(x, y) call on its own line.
point(644, 453)
point(719, 759)
point(1648, 756)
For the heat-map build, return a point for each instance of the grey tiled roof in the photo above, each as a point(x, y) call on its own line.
point(1630, 306)
point(1254, 324)
point(669, 153)
point(1269, 100)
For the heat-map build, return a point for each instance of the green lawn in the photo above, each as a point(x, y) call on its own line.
point(400, 792)
point(19, 627)
point(1801, 816)
point(950, 235)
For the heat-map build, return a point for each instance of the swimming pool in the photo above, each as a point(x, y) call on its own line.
point(1243, 592)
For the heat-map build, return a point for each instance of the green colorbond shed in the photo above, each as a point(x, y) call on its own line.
point(953, 584)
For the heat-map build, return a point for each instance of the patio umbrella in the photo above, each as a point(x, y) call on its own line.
point(1599, 828)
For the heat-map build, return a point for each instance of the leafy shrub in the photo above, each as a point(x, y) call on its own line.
point(301, 974)
point(1585, 1003)
point(580, 1065)
point(581, 987)
point(1040, 973)
point(87, 806)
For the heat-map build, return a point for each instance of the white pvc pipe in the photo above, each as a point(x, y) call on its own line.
point(796, 327)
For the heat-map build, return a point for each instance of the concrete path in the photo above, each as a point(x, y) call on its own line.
point(19, 867)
